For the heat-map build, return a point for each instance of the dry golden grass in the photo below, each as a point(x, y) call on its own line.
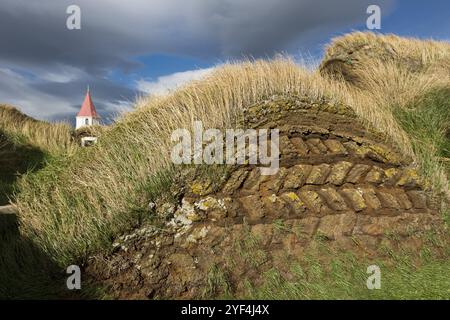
point(357, 51)
point(49, 137)
point(393, 72)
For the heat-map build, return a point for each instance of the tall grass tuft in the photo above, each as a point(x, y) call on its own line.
point(49, 137)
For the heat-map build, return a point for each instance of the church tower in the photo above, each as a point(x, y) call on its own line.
point(88, 115)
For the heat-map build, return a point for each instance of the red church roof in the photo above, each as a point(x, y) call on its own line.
point(88, 108)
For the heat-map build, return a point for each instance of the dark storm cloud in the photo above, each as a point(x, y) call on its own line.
point(112, 31)
point(109, 98)
point(35, 39)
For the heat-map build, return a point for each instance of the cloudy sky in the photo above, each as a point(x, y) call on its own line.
point(125, 49)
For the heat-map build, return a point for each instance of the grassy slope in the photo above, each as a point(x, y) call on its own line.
point(104, 190)
point(344, 277)
point(50, 137)
point(26, 145)
point(427, 121)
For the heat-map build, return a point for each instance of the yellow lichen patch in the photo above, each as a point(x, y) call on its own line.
point(361, 151)
point(210, 203)
point(344, 110)
point(207, 204)
point(390, 174)
point(356, 198)
point(295, 202)
point(281, 104)
point(193, 216)
point(201, 188)
point(292, 196)
point(410, 177)
point(386, 154)
point(375, 175)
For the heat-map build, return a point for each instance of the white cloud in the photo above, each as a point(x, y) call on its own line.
point(61, 74)
point(16, 91)
point(164, 84)
point(117, 108)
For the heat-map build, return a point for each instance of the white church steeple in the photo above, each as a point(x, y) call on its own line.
point(88, 115)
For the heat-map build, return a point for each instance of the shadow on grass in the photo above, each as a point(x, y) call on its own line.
point(16, 158)
point(26, 272)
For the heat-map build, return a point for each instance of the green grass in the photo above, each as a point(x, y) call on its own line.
point(345, 278)
point(327, 273)
point(25, 271)
point(6, 189)
point(427, 122)
point(217, 283)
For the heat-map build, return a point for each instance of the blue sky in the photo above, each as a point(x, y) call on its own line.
point(130, 48)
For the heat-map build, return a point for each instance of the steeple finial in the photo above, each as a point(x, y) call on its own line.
point(88, 89)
